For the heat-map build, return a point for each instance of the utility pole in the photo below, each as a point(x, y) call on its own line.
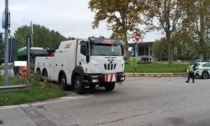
point(5, 25)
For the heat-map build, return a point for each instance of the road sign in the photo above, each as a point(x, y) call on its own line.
point(137, 36)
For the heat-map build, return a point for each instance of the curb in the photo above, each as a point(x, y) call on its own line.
point(155, 74)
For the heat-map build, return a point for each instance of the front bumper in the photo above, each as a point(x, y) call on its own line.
point(198, 73)
point(104, 78)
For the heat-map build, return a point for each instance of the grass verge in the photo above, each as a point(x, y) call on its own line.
point(156, 68)
point(39, 91)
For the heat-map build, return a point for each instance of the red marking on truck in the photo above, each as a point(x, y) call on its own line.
point(108, 41)
point(67, 46)
point(110, 77)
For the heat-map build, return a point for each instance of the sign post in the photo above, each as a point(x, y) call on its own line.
point(137, 37)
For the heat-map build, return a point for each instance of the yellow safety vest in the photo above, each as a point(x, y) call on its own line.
point(190, 68)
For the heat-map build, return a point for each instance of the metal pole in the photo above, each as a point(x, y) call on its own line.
point(28, 62)
point(10, 53)
point(6, 46)
point(32, 32)
point(136, 56)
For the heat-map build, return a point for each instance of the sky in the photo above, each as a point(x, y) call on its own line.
point(71, 18)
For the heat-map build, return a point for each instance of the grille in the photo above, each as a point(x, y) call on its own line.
point(109, 66)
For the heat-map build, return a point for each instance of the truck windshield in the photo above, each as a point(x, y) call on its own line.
point(106, 50)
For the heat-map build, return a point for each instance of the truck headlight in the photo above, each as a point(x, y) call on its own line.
point(94, 80)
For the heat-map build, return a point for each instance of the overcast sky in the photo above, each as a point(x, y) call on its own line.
point(71, 18)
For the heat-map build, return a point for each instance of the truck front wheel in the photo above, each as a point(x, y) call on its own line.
point(109, 86)
point(78, 85)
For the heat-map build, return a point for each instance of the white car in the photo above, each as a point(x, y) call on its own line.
point(203, 70)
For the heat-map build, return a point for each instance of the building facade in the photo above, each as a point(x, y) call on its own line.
point(144, 53)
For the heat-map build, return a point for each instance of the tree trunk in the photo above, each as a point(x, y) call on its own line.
point(170, 54)
point(201, 48)
point(125, 39)
point(127, 55)
point(170, 50)
point(201, 35)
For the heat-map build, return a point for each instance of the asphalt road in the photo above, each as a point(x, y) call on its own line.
point(142, 101)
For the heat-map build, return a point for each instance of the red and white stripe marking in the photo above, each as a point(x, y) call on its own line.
point(110, 77)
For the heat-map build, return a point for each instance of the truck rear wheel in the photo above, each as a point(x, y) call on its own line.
point(38, 74)
point(78, 85)
point(109, 86)
point(63, 82)
point(44, 76)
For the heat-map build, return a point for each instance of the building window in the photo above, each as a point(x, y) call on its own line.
point(140, 51)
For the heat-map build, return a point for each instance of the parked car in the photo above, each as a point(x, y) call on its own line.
point(198, 61)
point(202, 69)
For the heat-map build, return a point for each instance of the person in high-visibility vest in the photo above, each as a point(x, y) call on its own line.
point(190, 70)
point(24, 71)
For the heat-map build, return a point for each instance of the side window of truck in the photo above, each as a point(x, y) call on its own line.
point(84, 48)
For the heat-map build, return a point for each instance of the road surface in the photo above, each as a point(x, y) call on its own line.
point(142, 101)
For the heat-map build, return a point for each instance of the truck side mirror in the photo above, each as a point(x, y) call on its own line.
point(84, 47)
point(122, 47)
point(83, 44)
point(88, 58)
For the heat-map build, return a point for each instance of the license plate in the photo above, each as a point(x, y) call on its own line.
point(110, 77)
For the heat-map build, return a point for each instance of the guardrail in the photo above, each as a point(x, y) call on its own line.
point(15, 88)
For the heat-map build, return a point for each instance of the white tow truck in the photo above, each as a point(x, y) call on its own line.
point(84, 63)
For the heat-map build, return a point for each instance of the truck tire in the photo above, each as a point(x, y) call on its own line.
point(63, 82)
point(45, 76)
point(38, 74)
point(205, 75)
point(78, 85)
point(109, 86)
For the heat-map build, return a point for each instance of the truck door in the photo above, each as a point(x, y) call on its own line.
point(83, 55)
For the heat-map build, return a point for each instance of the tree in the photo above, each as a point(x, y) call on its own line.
point(184, 47)
point(121, 16)
point(159, 49)
point(20, 35)
point(42, 36)
point(168, 15)
point(198, 24)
